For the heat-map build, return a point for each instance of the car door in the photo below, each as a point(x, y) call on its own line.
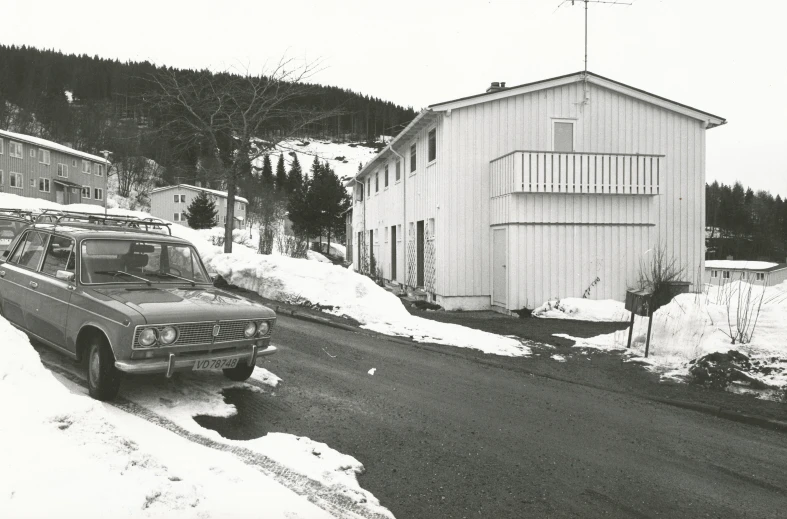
point(16, 275)
point(48, 301)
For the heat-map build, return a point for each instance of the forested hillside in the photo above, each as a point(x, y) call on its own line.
point(744, 224)
point(93, 103)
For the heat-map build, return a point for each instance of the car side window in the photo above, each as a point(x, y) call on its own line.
point(28, 253)
point(59, 256)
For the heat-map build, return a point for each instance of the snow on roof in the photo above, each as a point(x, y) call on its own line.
point(743, 265)
point(51, 145)
point(222, 194)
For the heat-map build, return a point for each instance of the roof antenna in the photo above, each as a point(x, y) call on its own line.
point(586, 98)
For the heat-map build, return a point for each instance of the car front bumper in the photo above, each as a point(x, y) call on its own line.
point(175, 362)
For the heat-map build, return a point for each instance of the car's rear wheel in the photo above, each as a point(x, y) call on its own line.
point(240, 372)
point(103, 378)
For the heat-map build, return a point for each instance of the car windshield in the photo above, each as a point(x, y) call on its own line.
point(131, 261)
point(9, 229)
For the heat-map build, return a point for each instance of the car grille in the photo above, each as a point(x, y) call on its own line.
point(202, 333)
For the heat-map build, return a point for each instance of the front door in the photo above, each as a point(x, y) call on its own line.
point(420, 241)
point(46, 308)
point(393, 252)
point(499, 268)
point(60, 194)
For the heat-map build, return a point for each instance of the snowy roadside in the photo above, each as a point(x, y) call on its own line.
point(70, 456)
point(692, 326)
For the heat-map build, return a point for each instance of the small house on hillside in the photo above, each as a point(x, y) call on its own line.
point(38, 168)
point(172, 202)
point(557, 188)
point(718, 272)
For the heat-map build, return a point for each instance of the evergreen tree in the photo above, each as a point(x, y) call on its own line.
point(295, 177)
point(202, 212)
point(267, 173)
point(281, 175)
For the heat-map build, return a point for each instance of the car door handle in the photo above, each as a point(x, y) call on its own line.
point(33, 284)
point(2, 273)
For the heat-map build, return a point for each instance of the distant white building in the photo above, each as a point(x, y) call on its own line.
point(172, 202)
point(718, 272)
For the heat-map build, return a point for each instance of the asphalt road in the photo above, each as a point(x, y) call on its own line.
point(444, 435)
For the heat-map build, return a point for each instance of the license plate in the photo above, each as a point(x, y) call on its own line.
point(5, 241)
point(200, 365)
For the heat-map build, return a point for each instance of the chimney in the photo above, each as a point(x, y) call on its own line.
point(496, 87)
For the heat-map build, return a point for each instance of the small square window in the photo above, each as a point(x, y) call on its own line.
point(563, 136)
point(32, 182)
point(725, 274)
point(176, 217)
point(32, 152)
point(74, 163)
point(760, 276)
point(714, 273)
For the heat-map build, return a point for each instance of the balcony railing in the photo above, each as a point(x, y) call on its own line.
point(576, 173)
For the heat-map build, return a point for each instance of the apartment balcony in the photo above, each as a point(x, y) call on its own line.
point(577, 173)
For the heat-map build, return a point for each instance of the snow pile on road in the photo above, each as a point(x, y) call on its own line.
point(694, 325)
point(346, 293)
point(579, 309)
point(65, 457)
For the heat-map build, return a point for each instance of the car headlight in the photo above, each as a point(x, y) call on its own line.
point(263, 329)
point(148, 337)
point(168, 335)
point(250, 330)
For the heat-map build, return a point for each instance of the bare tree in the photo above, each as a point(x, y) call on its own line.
point(234, 118)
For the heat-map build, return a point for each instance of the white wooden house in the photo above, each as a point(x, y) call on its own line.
point(556, 188)
point(172, 202)
point(719, 272)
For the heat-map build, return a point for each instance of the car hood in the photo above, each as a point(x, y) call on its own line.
point(177, 304)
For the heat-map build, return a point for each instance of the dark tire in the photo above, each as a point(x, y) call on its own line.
point(240, 372)
point(103, 378)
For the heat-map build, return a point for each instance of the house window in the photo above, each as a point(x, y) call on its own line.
point(1, 146)
point(32, 182)
point(398, 170)
point(760, 276)
point(359, 190)
point(32, 152)
point(368, 186)
point(15, 180)
point(62, 170)
point(386, 175)
point(563, 136)
point(432, 144)
point(43, 157)
point(98, 193)
point(413, 161)
point(43, 185)
point(86, 192)
point(74, 163)
point(714, 273)
point(726, 274)
point(176, 217)
point(99, 170)
point(15, 150)
point(85, 167)
point(376, 182)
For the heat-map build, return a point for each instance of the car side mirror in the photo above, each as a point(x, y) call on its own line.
point(65, 275)
point(5, 253)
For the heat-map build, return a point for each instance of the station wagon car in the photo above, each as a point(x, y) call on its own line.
point(126, 298)
point(12, 221)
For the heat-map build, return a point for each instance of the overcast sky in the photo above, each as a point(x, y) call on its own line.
point(724, 57)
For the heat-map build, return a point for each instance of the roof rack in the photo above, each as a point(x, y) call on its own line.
point(21, 213)
point(56, 217)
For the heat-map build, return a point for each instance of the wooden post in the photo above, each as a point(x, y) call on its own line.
point(650, 326)
point(631, 327)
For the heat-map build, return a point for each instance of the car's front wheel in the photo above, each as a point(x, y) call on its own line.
point(103, 378)
point(240, 372)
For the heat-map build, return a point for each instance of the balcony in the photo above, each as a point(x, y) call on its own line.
point(576, 173)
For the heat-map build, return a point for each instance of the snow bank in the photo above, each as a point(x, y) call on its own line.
point(347, 293)
point(693, 325)
point(607, 310)
point(66, 457)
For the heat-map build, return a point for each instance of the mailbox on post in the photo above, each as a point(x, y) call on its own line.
point(640, 302)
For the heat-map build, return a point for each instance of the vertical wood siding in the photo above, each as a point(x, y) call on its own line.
point(562, 260)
